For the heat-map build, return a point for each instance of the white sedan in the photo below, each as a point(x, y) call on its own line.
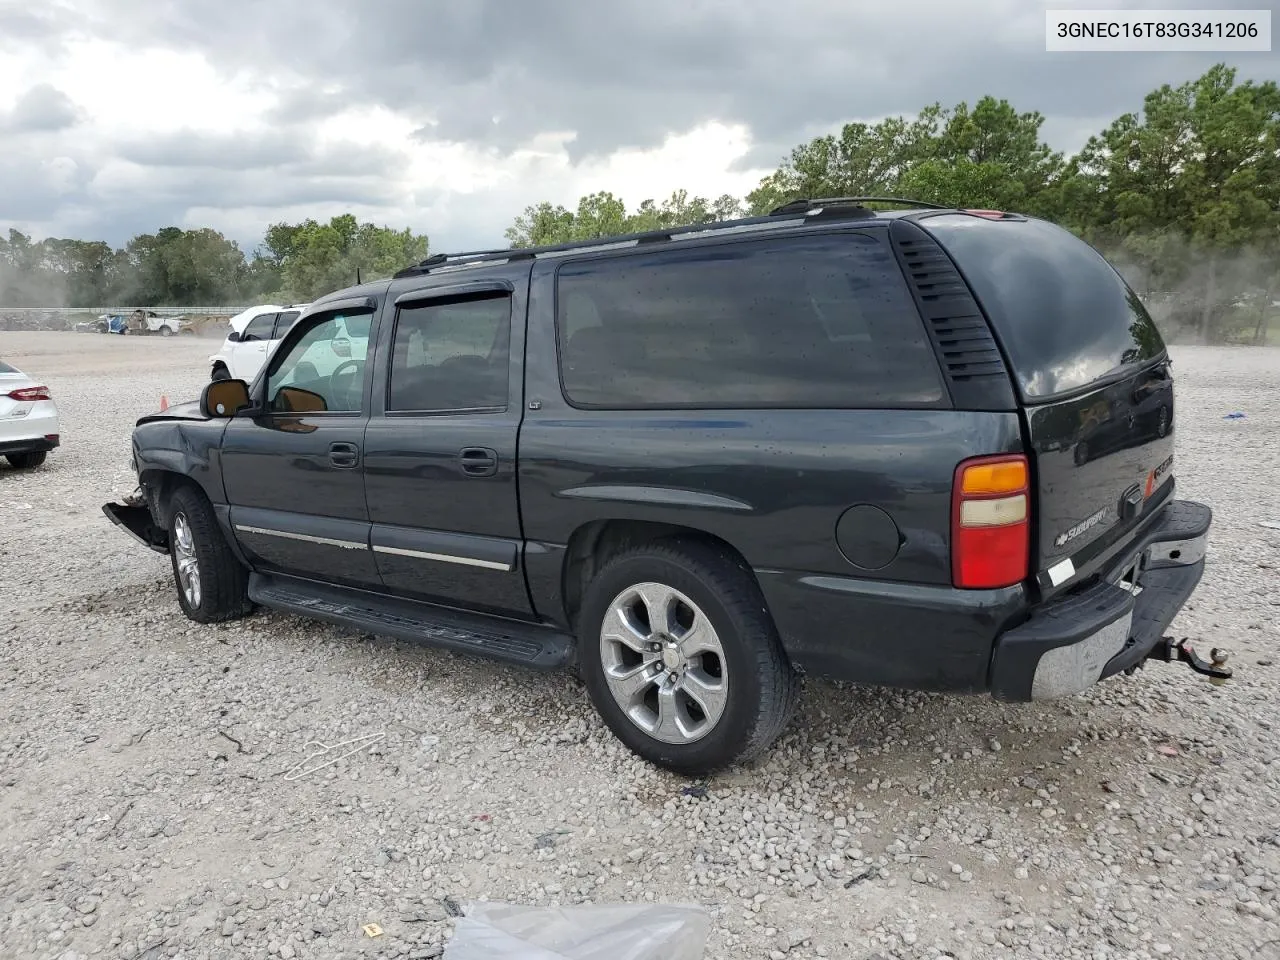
point(28, 419)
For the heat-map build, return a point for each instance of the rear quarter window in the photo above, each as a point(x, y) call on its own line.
point(810, 321)
point(5, 368)
point(1063, 315)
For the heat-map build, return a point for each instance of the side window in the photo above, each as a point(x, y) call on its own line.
point(451, 355)
point(822, 320)
point(284, 322)
point(324, 369)
point(259, 327)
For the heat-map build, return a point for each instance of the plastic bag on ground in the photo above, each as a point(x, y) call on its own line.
point(503, 931)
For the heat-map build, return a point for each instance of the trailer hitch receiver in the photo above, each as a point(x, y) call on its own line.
point(1215, 668)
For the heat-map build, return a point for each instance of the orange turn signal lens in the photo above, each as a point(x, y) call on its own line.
point(993, 479)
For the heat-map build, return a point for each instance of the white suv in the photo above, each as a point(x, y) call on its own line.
point(254, 334)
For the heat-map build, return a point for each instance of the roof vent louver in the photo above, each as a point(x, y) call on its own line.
point(966, 349)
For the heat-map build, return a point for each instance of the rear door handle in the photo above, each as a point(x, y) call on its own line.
point(478, 461)
point(344, 454)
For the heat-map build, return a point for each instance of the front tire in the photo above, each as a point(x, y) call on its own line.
point(681, 658)
point(212, 584)
point(27, 461)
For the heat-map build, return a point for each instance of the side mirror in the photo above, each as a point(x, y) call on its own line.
point(224, 398)
point(295, 400)
point(233, 337)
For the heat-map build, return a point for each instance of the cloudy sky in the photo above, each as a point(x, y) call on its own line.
point(123, 116)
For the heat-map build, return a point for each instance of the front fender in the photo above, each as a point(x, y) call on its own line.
point(183, 448)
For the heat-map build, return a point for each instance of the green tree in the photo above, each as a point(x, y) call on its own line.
point(541, 225)
point(990, 155)
point(318, 258)
point(603, 215)
point(1184, 188)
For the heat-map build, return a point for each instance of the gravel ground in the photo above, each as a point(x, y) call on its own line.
point(148, 808)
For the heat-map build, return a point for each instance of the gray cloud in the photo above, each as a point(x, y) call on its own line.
point(289, 151)
point(40, 109)
point(627, 73)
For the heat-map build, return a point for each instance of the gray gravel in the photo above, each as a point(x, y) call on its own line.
point(148, 808)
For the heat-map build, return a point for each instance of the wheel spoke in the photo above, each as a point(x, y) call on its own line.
point(659, 603)
point(709, 693)
point(700, 639)
point(669, 727)
point(629, 685)
point(618, 627)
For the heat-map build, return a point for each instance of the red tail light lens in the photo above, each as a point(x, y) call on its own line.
point(991, 522)
point(30, 393)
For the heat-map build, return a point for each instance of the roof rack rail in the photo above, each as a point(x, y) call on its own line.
point(804, 204)
point(457, 261)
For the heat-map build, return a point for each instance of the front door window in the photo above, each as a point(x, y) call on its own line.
point(324, 369)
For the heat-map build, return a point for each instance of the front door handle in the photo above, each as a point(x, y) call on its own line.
point(345, 455)
point(478, 461)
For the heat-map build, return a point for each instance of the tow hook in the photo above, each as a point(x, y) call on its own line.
point(1215, 668)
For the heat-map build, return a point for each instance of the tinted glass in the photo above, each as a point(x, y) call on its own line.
point(1063, 315)
point(451, 355)
point(328, 360)
point(284, 322)
point(259, 327)
point(5, 368)
point(811, 321)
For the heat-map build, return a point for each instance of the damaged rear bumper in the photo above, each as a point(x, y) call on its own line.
point(1112, 625)
point(134, 518)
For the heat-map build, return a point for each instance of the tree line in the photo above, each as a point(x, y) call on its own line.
point(192, 268)
point(1183, 195)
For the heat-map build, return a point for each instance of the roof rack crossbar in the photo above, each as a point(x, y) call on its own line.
point(802, 204)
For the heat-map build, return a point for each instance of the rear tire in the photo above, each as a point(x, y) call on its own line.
point(166, 332)
point(220, 372)
point(27, 461)
point(212, 584)
point(692, 611)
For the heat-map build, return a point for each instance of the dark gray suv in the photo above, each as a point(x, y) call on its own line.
point(929, 448)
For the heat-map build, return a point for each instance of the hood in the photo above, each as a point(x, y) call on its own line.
point(178, 411)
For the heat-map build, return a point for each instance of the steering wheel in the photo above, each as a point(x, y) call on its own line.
point(341, 390)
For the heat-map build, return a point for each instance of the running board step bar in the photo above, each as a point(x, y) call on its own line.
point(528, 644)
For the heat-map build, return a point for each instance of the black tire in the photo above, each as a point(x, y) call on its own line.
point(762, 687)
point(223, 580)
point(220, 372)
point(27, 461)
point(1162, 422)
point(166, 332)
point(1081, 453)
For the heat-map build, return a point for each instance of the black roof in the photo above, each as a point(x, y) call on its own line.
point(803, 210)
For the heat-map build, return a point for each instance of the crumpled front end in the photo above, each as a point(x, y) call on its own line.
point(133, 516)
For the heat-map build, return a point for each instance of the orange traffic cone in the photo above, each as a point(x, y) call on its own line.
point(164, 402)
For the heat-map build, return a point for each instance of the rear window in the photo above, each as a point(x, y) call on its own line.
point(5, 368)
point(1063, 315)
point(811, 321)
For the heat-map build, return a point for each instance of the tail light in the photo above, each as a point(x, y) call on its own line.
point(27, 394)
point(991, 522)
